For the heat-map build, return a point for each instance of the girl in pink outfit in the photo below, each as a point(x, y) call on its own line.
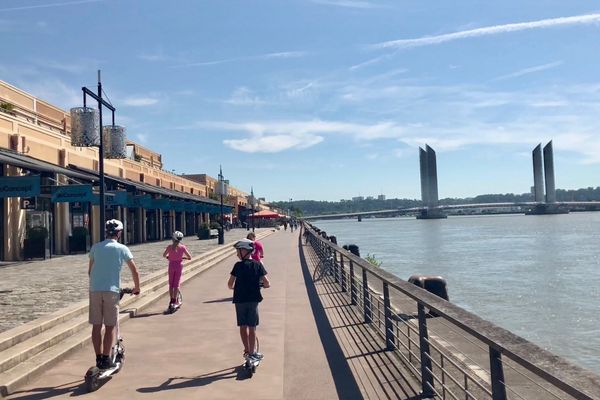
point(258, 248)
point(176, 253)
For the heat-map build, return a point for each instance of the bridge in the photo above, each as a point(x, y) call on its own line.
point(332, 326)
point(544, 201)
point(525, 207)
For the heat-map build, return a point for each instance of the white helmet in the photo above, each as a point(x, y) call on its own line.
point(245, 244)
point(113, 226)
point(177, 236)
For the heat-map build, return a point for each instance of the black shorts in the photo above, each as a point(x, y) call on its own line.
point(247, 314)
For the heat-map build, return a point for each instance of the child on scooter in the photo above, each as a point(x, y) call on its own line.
point(176, 253)
point(247, 276)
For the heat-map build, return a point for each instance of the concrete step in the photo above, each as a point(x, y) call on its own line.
point(35, 349)
point(65, 327)
point(30, 329)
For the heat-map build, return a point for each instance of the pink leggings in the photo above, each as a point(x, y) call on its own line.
point(175, 269)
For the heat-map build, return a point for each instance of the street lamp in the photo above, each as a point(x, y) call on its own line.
point(87, 131)
point(222, 190)
point(290, 209)
point(252, 200)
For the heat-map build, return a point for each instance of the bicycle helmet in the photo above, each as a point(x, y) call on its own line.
point(245, 244)
point(113, 226)
point(177, 236)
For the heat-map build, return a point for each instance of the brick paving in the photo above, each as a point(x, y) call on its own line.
point(29, 290)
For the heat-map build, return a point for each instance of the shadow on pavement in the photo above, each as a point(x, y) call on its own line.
point(223, 300)
point(345, 384)
point(236, 372)
point(146, 315)
point(75, 388)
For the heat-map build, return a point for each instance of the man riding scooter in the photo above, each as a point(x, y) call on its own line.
point(106, 260)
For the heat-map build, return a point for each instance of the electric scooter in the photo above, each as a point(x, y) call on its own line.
point(94, 376)
point(174, 307)
point(251, 363)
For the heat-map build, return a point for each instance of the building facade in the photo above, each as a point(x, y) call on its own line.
point(46, 184)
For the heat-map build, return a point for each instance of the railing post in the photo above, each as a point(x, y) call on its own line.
point(342, 273)
point(426, 371)
point(335, 267)
point(367, 311)
point(352, 284)
point(387, 312)
point(497, 372)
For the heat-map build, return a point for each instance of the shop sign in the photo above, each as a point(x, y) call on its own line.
point(77, 206)
point(72, 193)
point(117, 198)
point(162, 204)
point(178, 205)
point(190, 207)
point(144, 201)
point(28, 203)
point(108, 199)
point(19, 186)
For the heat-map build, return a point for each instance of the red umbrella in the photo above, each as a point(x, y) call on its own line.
point(265, 214)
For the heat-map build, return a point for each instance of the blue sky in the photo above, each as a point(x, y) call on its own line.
point(329, 99)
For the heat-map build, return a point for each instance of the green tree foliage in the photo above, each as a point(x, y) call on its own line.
point(312, 207)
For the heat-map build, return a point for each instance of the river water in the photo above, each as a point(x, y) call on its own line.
point(537, 276)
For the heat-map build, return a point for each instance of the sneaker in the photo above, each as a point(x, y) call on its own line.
point(106, 363)
point(256, 356)
point(98, 360)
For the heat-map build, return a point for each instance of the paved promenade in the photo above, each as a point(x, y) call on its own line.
point(31, 289)
point(196, 353)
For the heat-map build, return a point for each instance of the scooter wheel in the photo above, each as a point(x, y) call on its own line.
point(91, 380)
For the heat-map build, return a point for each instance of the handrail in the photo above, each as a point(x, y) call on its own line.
point(554, 369)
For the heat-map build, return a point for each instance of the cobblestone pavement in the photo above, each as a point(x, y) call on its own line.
point(29, 290)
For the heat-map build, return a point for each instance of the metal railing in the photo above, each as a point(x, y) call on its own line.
point(452, 352)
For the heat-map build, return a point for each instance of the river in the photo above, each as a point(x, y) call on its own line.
point(537, 276)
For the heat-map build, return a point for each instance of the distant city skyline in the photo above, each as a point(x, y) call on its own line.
point(322, 100)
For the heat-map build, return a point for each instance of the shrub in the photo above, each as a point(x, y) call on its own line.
point(80, 232)
point(203, 231)
point(373, 260)
point(37, 233)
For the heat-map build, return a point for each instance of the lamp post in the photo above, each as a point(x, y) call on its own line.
point(87, 131)
point(252, 201)
point(222, 192)
point(290, 209)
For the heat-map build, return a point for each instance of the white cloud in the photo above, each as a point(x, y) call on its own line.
point(273, 143)
point(347, 3)
point(142, 138)
point(62, 4)
point(140, 101)
point(490, 30)
point(243, 96)
point(530, 70)
point(266, 56)
point(54, 91)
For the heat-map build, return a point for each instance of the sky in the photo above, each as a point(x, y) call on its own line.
point(329, 99)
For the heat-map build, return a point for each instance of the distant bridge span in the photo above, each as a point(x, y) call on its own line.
point(416, 210)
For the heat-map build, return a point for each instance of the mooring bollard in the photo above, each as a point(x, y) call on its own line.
point(352, 248)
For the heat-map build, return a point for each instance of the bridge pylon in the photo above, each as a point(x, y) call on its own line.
point(546, 204)
point(429, 185)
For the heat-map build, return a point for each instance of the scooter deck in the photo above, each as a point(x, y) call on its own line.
point(172, 310)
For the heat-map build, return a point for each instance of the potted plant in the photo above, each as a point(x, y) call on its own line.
point(204, 232)
point(7, 108)
point(79, 240)
point(36, 245)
